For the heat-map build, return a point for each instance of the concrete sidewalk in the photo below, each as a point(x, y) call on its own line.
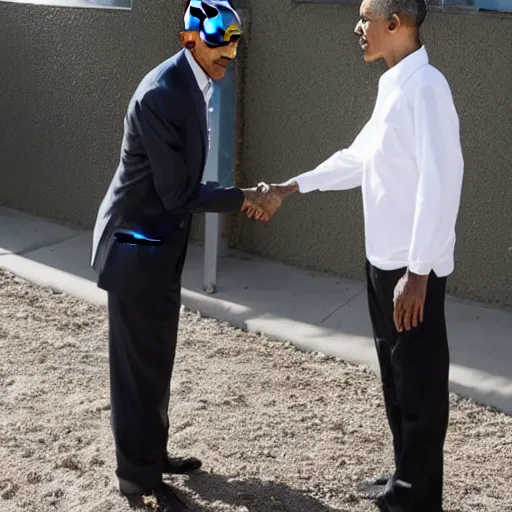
point(312, 310)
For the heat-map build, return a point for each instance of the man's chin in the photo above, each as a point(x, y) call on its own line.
point(369, 57)
point(218, 74)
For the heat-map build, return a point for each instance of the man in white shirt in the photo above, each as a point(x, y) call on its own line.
point(409, 163)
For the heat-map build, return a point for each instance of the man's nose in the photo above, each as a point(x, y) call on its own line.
point(231, 50)
point(358, 30)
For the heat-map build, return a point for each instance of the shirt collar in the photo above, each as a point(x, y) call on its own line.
point(203, 81)
point(401, 72)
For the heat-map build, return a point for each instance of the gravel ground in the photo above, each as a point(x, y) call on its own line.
point(277, 429)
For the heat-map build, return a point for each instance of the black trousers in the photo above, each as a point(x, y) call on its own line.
point(142, 345)
point(415, 374)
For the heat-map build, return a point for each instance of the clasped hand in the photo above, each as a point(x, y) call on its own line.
point(262, 202)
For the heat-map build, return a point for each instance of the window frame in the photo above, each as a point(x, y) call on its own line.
point(62, 4)
point(448, 9)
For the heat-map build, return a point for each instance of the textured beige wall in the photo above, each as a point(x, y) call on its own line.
point(66, 78)
point(308, 93)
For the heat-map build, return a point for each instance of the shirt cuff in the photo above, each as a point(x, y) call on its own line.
point(422, 269)
point(306, 182)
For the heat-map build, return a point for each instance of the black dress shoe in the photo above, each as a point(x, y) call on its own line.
point(397, 496)
point(161, 499)
point(381, 481)
point(370, 489)
point(181, 465)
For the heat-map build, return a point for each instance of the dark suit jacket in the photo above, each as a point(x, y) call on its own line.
point(157, 185)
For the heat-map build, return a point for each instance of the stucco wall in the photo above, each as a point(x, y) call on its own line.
point(66, 77)
point(308, 93)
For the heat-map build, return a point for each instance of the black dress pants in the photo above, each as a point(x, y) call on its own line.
point(415, 374)
point(142, 346)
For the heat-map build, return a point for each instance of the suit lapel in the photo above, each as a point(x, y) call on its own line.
point(196, 95)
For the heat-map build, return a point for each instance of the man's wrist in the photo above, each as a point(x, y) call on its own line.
point(413, 276)
point(288, 188)
point(250, 194)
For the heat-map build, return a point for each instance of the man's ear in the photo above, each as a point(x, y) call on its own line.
point(188, 40)
point(394, 23)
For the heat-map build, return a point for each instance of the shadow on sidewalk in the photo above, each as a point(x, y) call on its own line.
point(256, 495)
point(315, 311)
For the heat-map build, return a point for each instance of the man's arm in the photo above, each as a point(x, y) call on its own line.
point(440, 168)
point(342, 171)
point(161, 137)
point(260, 201)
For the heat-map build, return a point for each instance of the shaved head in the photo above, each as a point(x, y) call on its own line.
point(414, 10)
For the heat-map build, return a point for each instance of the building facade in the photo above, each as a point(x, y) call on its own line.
point(67, 76)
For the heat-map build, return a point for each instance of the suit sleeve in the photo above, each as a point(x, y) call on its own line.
point(162, 139)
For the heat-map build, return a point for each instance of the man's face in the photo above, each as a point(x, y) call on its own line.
point(214, 61)
point(373, 32)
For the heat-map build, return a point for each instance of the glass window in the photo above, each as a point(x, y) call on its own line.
point(479, 5)
point(98, 4)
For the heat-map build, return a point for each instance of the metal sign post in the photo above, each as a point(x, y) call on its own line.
point(219, 166)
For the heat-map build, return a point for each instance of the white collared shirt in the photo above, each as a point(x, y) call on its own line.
point(408, 161)
point(203, 80)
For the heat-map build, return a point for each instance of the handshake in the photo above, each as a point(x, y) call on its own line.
point(262, 202)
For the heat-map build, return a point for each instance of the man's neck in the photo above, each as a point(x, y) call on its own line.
point(399, 54)
point(199, 64)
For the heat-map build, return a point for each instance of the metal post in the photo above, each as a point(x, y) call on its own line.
point(211, 251)
point(219, 166)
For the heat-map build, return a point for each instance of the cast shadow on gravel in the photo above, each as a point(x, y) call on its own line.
point(256, 495)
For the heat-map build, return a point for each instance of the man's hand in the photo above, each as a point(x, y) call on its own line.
point(409, 301)
point(285, 189)
point(260, 202)
point(274, 194)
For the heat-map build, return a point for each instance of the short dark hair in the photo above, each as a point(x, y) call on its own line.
point(415, 10)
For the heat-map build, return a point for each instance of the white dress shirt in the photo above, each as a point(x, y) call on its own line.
point(408, 161)
point(203, 81)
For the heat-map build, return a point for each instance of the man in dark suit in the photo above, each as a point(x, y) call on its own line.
point(141, 235)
